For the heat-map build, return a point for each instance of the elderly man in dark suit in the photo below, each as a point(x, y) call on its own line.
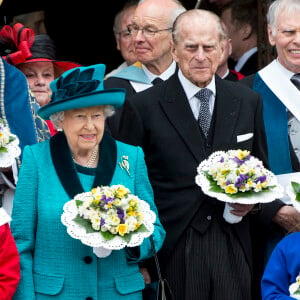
point(203, 256)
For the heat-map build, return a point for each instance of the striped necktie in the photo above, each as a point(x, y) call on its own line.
point(296, 80)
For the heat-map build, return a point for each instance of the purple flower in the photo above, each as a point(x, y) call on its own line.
point(121, 214)
point(241, 180)
point(261, 179)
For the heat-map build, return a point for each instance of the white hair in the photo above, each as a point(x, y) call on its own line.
point(57, 117)
point(277, 7)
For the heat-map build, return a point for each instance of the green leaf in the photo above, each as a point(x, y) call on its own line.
point(107, 235)
point(296, 188)
point(127, 237)
point(78, 202)
point(84, 223)
point(3, 150)
point(142, 228)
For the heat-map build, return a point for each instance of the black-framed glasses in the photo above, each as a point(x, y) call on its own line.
point(124, 34)
point(147, 32)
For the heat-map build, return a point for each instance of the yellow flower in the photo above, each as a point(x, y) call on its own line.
point(122, 229)
point(231, 189)
point(121, 192)
point(241, 154)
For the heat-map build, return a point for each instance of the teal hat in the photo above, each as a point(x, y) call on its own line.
point(81, 87)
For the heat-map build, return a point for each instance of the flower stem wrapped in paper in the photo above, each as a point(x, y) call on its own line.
point(236, 176)
point(108, 218)
point(9, 146)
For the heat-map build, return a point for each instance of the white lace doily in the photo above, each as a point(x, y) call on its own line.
point(95, 239)
point(13, 151)
point(260, 197)
point(290, 192)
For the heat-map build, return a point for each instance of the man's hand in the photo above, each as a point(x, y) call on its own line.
point(240, 210)
point(288, 218)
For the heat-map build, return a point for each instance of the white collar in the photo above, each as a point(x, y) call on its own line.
point(138, 87)
point(164, 76)
point(191, 89)
point(242, 60)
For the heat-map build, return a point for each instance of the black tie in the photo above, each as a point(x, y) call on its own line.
point(296, 80)
point(204, 116)
point(156, 80)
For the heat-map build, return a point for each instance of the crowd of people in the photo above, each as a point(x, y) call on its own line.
point(189, 86)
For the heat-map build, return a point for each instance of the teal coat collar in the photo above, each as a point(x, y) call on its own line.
point(66, 169)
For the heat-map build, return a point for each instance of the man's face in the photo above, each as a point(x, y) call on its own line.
point(199, 50)
point(152, 48)
point(124, 39)
point(235, 33)
point(286, 39)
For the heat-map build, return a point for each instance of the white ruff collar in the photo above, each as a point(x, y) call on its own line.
point(282, 87)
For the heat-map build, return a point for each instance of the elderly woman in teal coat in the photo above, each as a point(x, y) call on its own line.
point(79, 157)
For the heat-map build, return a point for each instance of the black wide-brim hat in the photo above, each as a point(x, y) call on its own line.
point(79, 88)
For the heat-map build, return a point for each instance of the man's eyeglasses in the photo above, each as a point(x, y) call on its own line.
point(124, 34)
point(147, 32)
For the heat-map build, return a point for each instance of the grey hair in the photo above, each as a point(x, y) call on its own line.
point(57, 117)
point(201, 13)
point(175, 13)
point(118, 17)
point(276, 7)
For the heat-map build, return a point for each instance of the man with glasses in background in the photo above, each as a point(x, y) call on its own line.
point(123, 36)
point(151, 30)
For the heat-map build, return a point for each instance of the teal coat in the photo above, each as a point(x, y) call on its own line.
point(56, 266)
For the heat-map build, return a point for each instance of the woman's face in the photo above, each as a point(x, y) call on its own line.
point(39, 75)
point(84, 128)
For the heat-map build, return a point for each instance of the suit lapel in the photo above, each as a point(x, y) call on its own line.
point(226, 113)
point(178, 111)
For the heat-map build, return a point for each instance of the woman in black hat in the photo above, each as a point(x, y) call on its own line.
point(35, 56)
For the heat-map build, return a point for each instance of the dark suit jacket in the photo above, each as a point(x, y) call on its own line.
point(161, 121)
point(115, 82)
point(251, 65)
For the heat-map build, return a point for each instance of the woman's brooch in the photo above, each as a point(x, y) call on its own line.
point(124, 164)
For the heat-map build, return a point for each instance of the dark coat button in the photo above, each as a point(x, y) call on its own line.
point(88, 298)
point(88, 259)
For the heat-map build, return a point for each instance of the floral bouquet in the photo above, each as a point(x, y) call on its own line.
point(108, 218)
point(9, 146)
point(236, 176)
point(294, 288)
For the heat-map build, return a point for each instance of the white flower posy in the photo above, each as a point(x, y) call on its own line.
point(294, 288)
point(108, 218)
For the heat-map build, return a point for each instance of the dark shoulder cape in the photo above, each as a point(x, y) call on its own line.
point(66, 169)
